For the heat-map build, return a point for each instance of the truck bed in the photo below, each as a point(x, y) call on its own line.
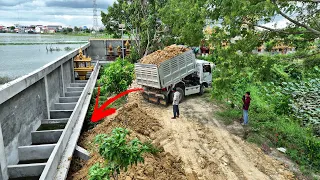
point(169, 72)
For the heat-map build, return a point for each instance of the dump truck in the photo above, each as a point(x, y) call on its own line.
point(184, 72)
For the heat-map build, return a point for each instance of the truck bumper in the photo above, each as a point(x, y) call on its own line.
point(155, 98)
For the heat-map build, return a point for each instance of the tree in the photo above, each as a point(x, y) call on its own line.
point(87, 30)
point(12, 28)
point(302, 15)
point(69, 30)
point(185, 20)
point(117, 76)
point(76, 29)
point(141, 20)
point(64, 31)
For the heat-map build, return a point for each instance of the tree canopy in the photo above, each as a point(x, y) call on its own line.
point(156, 23)
point(185, 20)
point(140, 19)
point(302, 16)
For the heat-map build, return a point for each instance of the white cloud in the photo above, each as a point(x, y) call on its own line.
point(27, 12)
point(38, 3)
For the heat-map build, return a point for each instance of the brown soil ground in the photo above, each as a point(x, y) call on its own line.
point(196, 145)
point(160, 166)
point(160, 56)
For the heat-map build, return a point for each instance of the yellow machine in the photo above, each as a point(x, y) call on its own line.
point(82, 65)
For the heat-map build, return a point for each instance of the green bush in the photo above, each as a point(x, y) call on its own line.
point(117, 77)
point(134, 55)
point(118, 153)
point(312, 61)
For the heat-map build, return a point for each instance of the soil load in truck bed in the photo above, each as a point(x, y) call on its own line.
point(160, 56)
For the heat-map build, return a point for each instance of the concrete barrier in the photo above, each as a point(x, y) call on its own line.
point(26, 101)
point(46, 137)
point(26, 170)
point(73, 124)
point(38, 152)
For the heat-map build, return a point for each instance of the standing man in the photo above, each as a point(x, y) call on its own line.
point(246, 103)
point(175, 103)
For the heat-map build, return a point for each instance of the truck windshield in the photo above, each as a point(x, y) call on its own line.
point(207, 68)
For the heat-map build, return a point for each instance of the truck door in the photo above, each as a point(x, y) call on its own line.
point(207, 73)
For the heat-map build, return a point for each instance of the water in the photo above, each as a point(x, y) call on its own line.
point(39, 38)
point(19, 60)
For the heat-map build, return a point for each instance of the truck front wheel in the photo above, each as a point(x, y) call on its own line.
point(201, 89)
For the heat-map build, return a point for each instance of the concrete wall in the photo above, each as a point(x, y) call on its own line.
point(19, 116)
point(55, 88)
point(3, 162)
point(100, 47)
point(25, 101)
point(67, 70)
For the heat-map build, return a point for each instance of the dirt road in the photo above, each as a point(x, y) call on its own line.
point(206, 148)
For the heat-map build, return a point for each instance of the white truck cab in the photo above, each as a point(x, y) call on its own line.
point(204, 72)
point(202, 79)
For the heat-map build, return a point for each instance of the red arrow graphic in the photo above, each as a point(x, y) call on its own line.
point(100, 112)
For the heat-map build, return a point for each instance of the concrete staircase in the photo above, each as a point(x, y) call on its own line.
point(33, 158)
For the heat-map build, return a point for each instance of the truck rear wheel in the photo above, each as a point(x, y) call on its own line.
point(181, 91)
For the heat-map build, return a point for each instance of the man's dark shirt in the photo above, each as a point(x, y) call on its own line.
point(246, 103)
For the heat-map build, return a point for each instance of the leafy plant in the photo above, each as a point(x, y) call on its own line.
point(305, 100)
point(118, 153)
point(134, 55)
point(117, 76)
point(96, 172)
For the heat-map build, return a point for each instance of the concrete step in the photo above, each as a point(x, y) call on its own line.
point(46, 137)
point(54, 121)
point(72, 89)
point(35, 152)
point(81, 81)
point(77, 84)
point(60, 114)
point(73, 94)
point(46, 127)
point(68, 99)
point(25, 170)
point(65, 106)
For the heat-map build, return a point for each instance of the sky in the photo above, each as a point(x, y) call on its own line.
point(63, 12)
point(51, 12)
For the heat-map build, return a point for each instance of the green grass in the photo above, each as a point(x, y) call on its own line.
point(229, 115)
point(269, 125)
point(280, 131)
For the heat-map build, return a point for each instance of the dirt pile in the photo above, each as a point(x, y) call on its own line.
point(160, 166)
point(163, 55)
point(206, 148)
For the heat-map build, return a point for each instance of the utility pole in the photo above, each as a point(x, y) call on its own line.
point(122, 28)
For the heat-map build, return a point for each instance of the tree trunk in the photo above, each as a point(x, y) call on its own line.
point(147, 47)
